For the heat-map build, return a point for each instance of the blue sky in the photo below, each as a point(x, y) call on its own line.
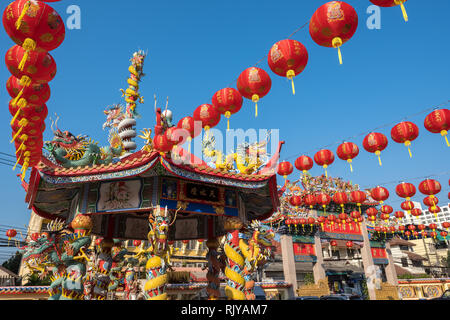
point(198, 47)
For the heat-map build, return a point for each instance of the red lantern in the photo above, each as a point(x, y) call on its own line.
point(399, 215)
point(11, 233)
point(40, 66)
point(32, 112)
point(355, 215)
point(170, 242)
point(161, 144)
point(446, 225)
point(386, 209)
point(416, 212)
point(288, 58)
point(392, 3)
point(407, 205)
point(98, 241)
point(432, 226)
point(379, 194)
point(378, 229)
point(321, 220)
point(310, 200)
point(188, 124)
point(331, 218)
point(323, 200)
point(435, 210)
point(375, 142)
point(227, 101)
point(29, 127)
point(137, 243)
point(304, 163)
point(444, 234)
point(185, 241)
point(347, 151)
point(430, 201)
point(349, 244)
point(392, 229)
point(174, 136)
point(430, 187)
point(438, 121)
point(371, 212)
point(33, 25)
point(324, 158)
point(357, 197)
point(285, 168)
point(421, 227)
point(405, 132)
point(401, 228)
point(295, 201)
point(333, 24)
point(405, 190)
point(333, 243)
point(32, 93)
point(311, 221)
point(433, 234)
point(411, 227)
point(341, 199)
point(424, 234)
point(408, 233)
point(384, 217)
point(208, 116)
point(254, 83)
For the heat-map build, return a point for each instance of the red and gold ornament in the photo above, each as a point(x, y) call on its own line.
point(405, 132)
point(333, 24)
point(227, 101)
point(347, 151)
point(324, 158)
point(375, 142)
point(288, 58)
point(254, 83)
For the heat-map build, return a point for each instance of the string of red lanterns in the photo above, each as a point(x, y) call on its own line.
point(36, 28)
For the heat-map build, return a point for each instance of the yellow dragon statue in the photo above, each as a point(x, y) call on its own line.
point(248, 158)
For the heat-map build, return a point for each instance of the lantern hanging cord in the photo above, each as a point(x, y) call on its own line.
point(409, 179)
point(367, 132)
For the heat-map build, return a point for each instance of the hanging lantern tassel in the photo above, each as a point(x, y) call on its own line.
point(25, 81)
point(21, 104)
point(228, 115)
point(28, 45)
point(350, 163)
point(402, 6)
point(189, 144)
point(325, 168)
point(23, 123)
point(444, 134)
point(22, 15)
point(407, 144)
point(255, 99)
point(337, 43)
point(379, 158)
point(290, 74)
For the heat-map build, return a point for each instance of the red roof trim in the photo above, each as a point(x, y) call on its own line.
point(45, 214)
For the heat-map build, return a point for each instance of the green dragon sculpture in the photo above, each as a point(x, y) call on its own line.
point(60, 250)
point(78, 151)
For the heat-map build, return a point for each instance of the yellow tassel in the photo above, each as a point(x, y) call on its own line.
point(325, 168)
point(405, 15)
point(350, 162)
point(340, 55)
point(255, 99)
point(379, 158)
point(227, 115)
point(17, 133)
point(290, 74)
point(444, 134)
point(22, 15)
point(337, 43)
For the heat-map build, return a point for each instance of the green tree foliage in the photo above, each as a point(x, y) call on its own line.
point(13, 263)
point(34, 279)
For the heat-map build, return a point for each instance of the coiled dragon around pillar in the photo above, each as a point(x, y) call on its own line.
point(158, 254)
point(247, 248)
